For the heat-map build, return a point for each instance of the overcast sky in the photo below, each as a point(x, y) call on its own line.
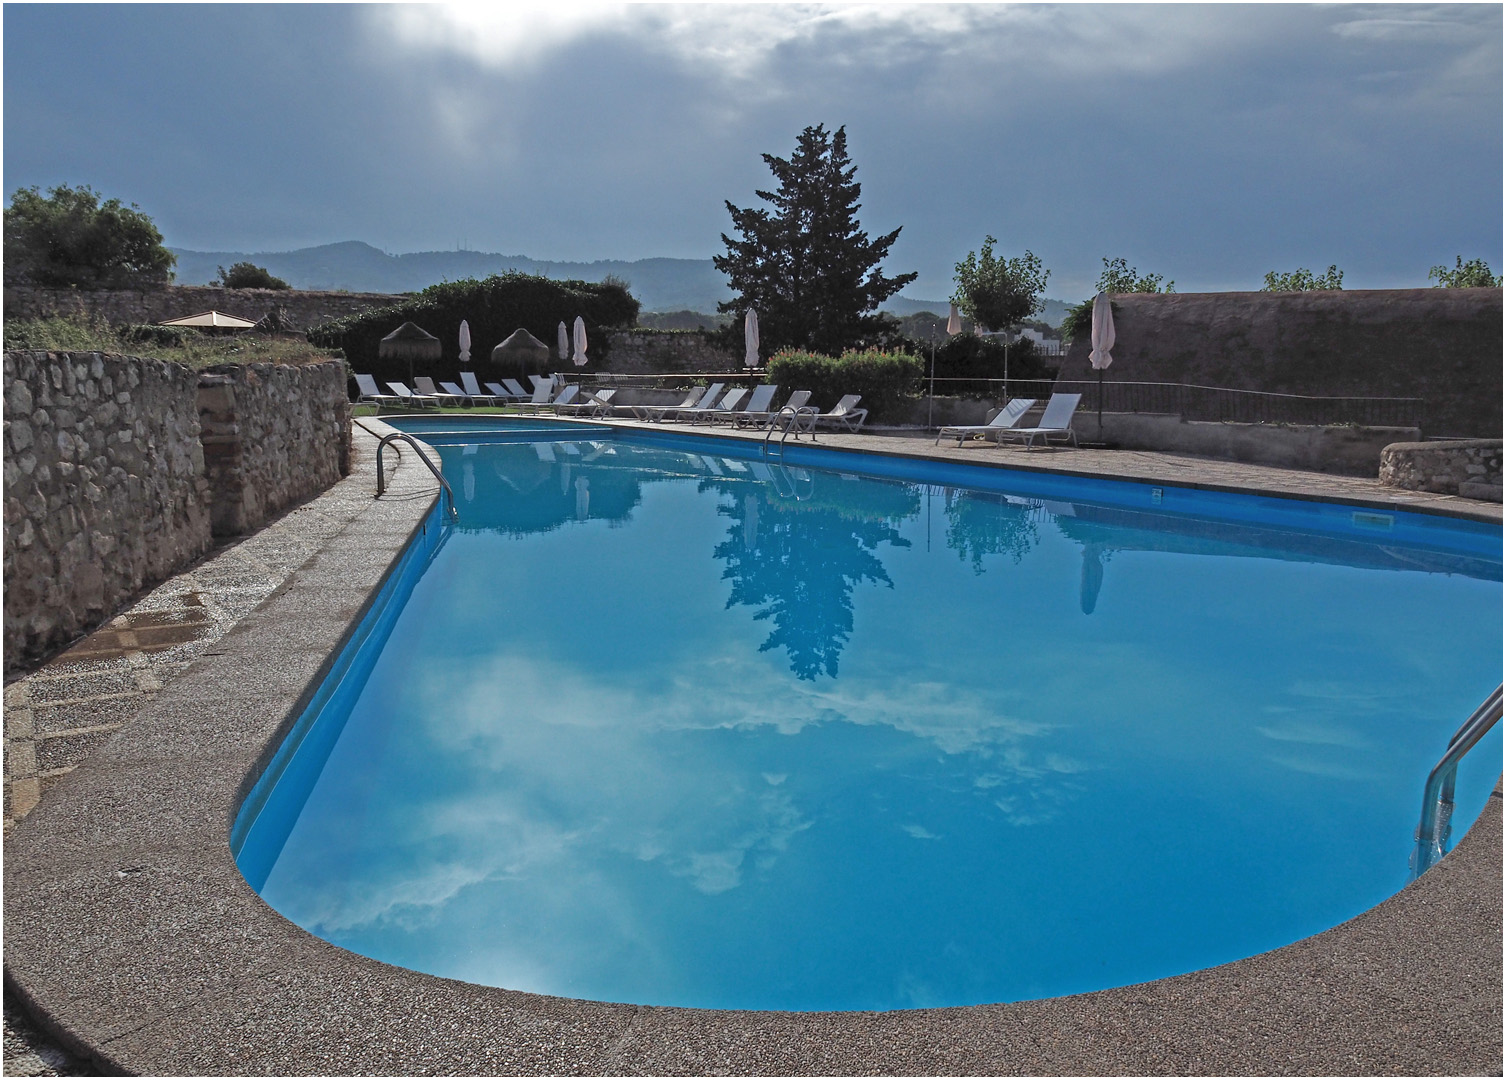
point(1206, 143)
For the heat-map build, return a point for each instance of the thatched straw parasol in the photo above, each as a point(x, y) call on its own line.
point(523, 349)
point(409, 342)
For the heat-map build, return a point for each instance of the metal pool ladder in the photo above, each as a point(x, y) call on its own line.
point(418, 452)
point(1438, 794)
point(789, 420)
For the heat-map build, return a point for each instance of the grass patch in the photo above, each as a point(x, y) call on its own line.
point(90, 333)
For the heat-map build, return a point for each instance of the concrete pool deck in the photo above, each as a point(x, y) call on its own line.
point(132, 936)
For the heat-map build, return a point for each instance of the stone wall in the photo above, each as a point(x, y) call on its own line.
point(120, 470)
point(104, 489)
point(119, 307)
point(656, 352)
point(273, 434)
point(1441, 345)
point(1467, 467)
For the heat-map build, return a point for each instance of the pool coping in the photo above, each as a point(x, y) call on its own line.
point(134, 939)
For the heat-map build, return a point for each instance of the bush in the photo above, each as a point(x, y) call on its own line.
point(888, 381)
point(494, 307)
point(149, 334)
point(245, 275)
point(71, 238)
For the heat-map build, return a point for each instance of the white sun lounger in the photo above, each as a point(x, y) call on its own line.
point(425, 386)
point(508, 390)
point(372, 393)
point(845, 412)
point(758, 405)
point(750, 418)
point(658, 413)
point(1007, 418)
point(473, 389)
point(592, 406)
point(645, 412)
point(409, 397)
point(725, 407)
point(1055, 421)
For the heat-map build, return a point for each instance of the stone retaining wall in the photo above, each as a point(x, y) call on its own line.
point(119, 307)
point(653, 352)
point(104, 489)
point(273, 434)
point(120, 470)
point(1468, 467)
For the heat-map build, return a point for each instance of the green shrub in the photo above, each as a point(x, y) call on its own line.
point(149, 334)
point(494, 307)
point(62, 333)
point(888, 381)
point(245, 275)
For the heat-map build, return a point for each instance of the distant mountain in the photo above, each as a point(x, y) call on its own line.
point(666, 285)
point(660, 284)
point(1053, 313)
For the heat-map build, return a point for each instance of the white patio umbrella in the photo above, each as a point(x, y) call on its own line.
point(579, 356)
point(1103, 341)
point(750, 339)
point(563, 341)
point(465, 342)
point(954, 322)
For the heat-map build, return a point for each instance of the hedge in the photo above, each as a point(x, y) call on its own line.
point(494, 307)
point(888, 381)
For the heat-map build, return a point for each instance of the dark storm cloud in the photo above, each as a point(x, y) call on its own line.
point(1206, 143)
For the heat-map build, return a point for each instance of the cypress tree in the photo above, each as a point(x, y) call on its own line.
point(804, 263)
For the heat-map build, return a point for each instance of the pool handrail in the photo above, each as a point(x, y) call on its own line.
point(1438, 792)
point(418, 450)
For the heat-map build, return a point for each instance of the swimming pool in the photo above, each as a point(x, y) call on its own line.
point(657, 722)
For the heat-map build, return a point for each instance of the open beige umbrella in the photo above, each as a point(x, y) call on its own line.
point(409, 342)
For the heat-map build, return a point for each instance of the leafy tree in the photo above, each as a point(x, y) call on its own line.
point(245, 275)
point(999, 293)
point(1474, 274)
point(804, 263)
point(1302, 280)
point(69, 237)
point(1119, 277)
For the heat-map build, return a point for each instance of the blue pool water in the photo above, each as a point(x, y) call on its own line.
point(652, 723)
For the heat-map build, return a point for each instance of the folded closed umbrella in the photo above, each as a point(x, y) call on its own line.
point(563, 340)
point(579, 356)
point(1103, 341)
point(750, 339)
point(954, 321)
point(465, 342)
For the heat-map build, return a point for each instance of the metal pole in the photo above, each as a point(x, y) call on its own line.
point(1100, 404)
point(931, 406)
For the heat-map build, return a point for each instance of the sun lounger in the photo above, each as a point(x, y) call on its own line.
point(758, 405)
point(845, 412)
point(722, 408)
point(591, 406)
point(1007, 418)
point(454, 390)
point(567, 395)
point(645, 412)
point(473, 389)
point(1055, 421)
point(425, 386)
point(372, 393)
point(508, 390)
point(749, 418)
point(658, 413)
point(409, 397)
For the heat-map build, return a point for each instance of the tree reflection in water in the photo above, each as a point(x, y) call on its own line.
point(797, 559)
point(981, 523)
